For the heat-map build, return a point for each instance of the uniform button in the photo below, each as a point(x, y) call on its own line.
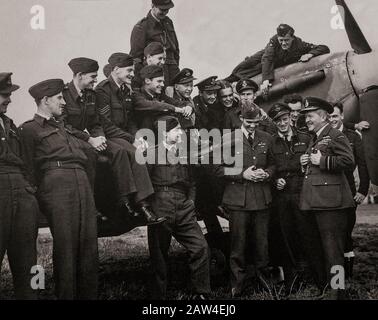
point(306, 177)
point(325, 183)
point(2, 139)
point(254, 158)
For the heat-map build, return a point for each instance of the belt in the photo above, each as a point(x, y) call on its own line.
point(51, 165)
point(170, 189)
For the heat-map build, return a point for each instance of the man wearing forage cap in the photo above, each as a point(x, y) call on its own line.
point(19, 207)
point(247, 196)
point(116, 109)
point(151, 102)
point(80, 112)
point(56, 162)
point(157, 27)
point(154, 54)
point(326, 196)
point(284, 48)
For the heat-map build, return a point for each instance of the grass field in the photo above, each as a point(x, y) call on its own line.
point(125, 271)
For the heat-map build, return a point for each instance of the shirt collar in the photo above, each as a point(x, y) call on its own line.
point(246, 133)
point(169, 147)
point(289, 136)
point(321, 130)
point(341, 127)
point(153, 16)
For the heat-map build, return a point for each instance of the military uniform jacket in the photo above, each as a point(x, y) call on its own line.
point(185, 122)
point(208, 117)
point(325, 187)
point(149, 107)
point(150, 30)
point(10, 148)
point(80, 113)
point(359, 155)
point(287, 158)
point(116, 110)
point(175, 175)
point(275, 57)
point(48, 141)
point(243, 195)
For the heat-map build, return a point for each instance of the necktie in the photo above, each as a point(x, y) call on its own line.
point(250, 139)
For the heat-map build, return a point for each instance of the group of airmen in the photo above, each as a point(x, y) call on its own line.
point(292, 205)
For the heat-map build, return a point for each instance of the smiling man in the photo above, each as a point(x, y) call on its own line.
point(157, 27)
point(283, 49)
point(247, 196)
point(359, 195)
point(287, 244)
point(56, 161)
point(326, 195)
point(151, 102)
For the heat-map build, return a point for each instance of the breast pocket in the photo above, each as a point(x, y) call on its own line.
point(261, 154)
point(117, 114)
point(49, 138)
point(326, 192)
point(91, 109)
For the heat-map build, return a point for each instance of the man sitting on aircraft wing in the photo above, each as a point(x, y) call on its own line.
point(283, 49)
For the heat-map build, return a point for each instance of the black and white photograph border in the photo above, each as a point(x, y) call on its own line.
point(226, 46)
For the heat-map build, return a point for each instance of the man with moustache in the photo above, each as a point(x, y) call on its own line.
point(55, 160)
point(326, 196)
point(359, 195)
point(209, 113)
point(286, 221)
point(157, 27)
point(80, 112)
point(247, 197)
point(19, 207)
point(151, 102)
point(283, 49)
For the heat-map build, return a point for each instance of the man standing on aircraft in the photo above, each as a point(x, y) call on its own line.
point(284, 48)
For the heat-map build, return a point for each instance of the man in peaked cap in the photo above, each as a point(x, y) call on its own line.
point(56, 162)
point(151, 102)
point(157, 27)
point(183, 88)
point(286, 225)
point(283, 49)
point(209, 113)
point(246, 89)
point(247, 197)
point(326, 195)
point(19, 207)
point(115, 106)
point(80, 112)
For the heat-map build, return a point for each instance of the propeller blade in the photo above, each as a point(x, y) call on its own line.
point(355, 35)
point(369, 112)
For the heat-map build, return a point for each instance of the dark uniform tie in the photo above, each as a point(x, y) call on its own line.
point(250, 139)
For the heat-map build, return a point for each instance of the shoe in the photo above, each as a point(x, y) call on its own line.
point(235, 293)
point(126, 205)
point(101, 217)
point(198, 296)
point(150, 217)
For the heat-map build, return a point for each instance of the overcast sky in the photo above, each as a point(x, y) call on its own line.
point(214, 35)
